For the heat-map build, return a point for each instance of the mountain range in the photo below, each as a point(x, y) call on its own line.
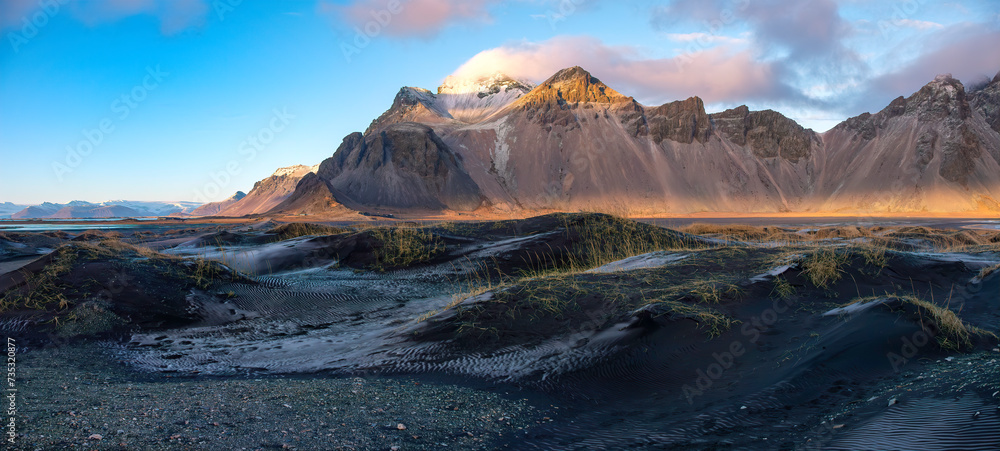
point(497, 145)
point(573, 143)
point(108, 209)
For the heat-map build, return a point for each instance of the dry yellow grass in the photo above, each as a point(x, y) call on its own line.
point(713, 321)
point(404, 246)
point(46, 290)
point(824, 267)
point(297, 229)
point(952, 333)
point(988, 270)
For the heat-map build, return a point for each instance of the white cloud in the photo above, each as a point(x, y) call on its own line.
point(412, 18)
point(720, 74)
point(704, 38)
point(918, 24)
point(174, 15)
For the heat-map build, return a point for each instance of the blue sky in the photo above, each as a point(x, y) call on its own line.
point(196, 99)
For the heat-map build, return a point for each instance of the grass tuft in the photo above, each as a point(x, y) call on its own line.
point(824, 267)
point(711, 320)
point(298, 229)
point(404, 246)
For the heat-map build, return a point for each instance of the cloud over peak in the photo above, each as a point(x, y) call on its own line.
point(720, 74)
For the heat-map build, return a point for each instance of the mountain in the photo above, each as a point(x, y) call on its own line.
point(107, 209)
point(269, 192)
point(405, 166)
point(214, 208)
point(928, 152)
point(574, 143)
point(94, 211)
point(154, 208)
point(7, 209)
point(986, 101)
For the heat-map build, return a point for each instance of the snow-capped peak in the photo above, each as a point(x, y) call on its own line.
point(474, 99)
point(487, 85)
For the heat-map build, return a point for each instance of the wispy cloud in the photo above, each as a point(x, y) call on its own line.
point(174, 15)
point(919, 24)
point(418, 18)
point(704, 38)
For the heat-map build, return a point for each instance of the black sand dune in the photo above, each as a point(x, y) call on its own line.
point(741, 337)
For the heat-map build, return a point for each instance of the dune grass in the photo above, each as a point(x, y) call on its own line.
point(824, 267)
point(403, 246)
point(299, 229)
point(708, 319)
point(599, 239)
point(46, 290)
point(951, 333)
point(782, 288)
point(983, 273)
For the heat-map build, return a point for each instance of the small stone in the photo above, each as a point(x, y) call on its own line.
point(401, 427)
point(743, 408)
point(95, 437)
point(838, 426)
point(949, 359)
point(892, 401)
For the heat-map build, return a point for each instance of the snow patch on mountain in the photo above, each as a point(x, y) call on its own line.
point(472, 100)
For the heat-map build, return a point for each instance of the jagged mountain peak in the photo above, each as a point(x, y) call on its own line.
point(938, 99)
point(573, 85)
point(572, 73)
point(292, 171)
point(410, 95)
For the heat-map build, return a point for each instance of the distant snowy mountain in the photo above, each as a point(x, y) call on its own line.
point(7, 209)
point(108, 209)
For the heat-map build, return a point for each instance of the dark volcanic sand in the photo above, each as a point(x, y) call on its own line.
point(71, 392)
point(314, 355)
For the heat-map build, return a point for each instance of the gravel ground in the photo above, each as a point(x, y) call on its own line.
point(73, 397)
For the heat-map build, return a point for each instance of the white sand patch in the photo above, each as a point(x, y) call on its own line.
point(854, 308)
point(644, 261)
